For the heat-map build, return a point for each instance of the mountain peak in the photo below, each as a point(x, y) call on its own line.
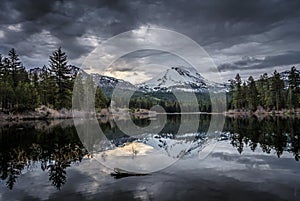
point(177, 78)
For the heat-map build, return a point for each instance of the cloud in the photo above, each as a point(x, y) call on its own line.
point(228, 30)
point(246, 63)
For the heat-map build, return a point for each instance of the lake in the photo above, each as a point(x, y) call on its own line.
point(250, 158)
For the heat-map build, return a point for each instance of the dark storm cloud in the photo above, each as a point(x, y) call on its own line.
point(67, 21)
point(226, 22)
point(246, 63)
point(38, 27)
point(145, 54)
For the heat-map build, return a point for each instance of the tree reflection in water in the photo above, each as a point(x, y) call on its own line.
point(270, 133)
point(54, 148)
point(24, 148)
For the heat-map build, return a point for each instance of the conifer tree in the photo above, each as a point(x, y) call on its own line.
point(277, 87)
point(293, 88)
point(229, 95)
point(244, 94)
point(260, 91)
point(6, 85)
point(61, 74)
point(252, 94)
point(18, 72)
point(27, 97)
point(6, 71)
point(267, 92)
point(7, 96)
point(237, 93)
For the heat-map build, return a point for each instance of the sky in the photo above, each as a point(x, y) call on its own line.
point(246, 37)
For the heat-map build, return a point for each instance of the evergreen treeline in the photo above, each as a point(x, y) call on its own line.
point(52, 85)
point(169, 102)
point(268, 93)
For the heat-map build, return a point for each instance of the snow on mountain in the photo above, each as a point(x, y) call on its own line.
point(179, 78)
point(176, 78)
point(111, 82)
point(175, 146)
point(108, 83)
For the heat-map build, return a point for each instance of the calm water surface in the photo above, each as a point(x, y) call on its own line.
point(253, 159)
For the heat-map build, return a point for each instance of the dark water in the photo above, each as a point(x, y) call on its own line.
point(254, 159)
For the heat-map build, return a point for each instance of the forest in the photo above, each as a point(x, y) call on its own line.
point(24, 90)
point(52, 85)
point(267, 93)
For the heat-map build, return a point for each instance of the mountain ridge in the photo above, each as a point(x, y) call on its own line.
point(174, 78)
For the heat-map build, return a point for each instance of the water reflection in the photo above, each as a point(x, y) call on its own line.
point(270, 133)
point(54, 146)
point(163, 149)
point(25, 146)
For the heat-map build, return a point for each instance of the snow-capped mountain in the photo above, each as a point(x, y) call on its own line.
point(107, 84)
point(111, 82)
point(176, 78)
point(179, 78)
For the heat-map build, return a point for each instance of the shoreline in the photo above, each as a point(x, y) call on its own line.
point(44, 114)
point(263, 113)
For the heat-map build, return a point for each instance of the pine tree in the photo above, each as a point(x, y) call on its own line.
point(6, 85)
point(277, 87)
point(244, 94)
point(61, 73)
point(267, 90)
point(229, 95)
point(264, 92)
point(17, 70)
point(251, 94)
point(237, 93)
point(26, 97)
point(6, 73)
point(293, 88)
point(7, 95)
point(260, 91)
point(22, 75)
